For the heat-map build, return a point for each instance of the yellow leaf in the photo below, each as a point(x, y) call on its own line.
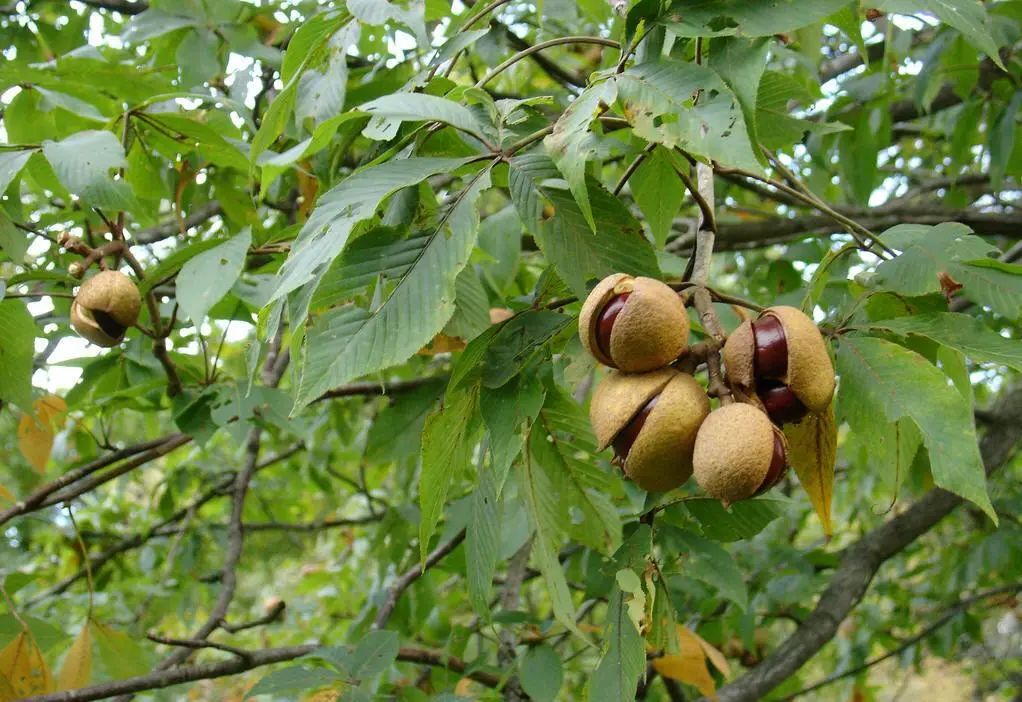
point(5, 495)
point(812, 452)
point(35, 431)
point(714, 656)
point(21, 662)
point(7, 693)
point(77, 669)
point(689, 665)
point(464, 688)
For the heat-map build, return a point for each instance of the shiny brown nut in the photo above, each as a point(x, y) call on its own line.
point(633, 324)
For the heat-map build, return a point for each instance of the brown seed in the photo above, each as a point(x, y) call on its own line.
point(780, 403)
point(778, 465)
point(605, 322)
point(771, 357)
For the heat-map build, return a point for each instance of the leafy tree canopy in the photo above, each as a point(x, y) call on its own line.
point(344, 451)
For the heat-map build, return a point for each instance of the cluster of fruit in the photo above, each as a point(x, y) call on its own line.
point(658, 418)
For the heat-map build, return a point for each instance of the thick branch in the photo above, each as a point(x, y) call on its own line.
point(861, 561)
point(160, 679)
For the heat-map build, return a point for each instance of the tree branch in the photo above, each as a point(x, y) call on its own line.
point(863, 559)
point(404, 582)
point(165, 230)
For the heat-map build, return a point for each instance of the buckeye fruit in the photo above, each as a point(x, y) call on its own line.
point(651, 419)
point(738, 453)
point(105, 306)
point(781, 360)
point(633, 324)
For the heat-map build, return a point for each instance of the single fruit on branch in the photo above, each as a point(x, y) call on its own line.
point(739, 453)
point(633, 324)
point(105, 306)
point(651, 419)
point(780, 362)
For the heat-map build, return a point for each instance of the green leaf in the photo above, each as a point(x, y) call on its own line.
point(275, 120)
point(740, 63)
point(547, 518)
point(658, 192)
point(448, 441)
point(967, 16)
point(742, 520)
point(377, 12)
point(897, 383)
point(422, 107)
point(482, 541)
point(992, 283)
point(505, 409)
point(959, 331)
point(541, 673)
point(659, 101)
point(374, 654)
point(396, 432)
point(471, 306)
point(624, 657)
point(580, 255)
point(294, 679)
point(711, 563)
point(121, 655)
point(210, 275)
point(351, 342)
point(83, 162)
point(13, 241)
point(17, 350)
point(310, 36)
point(528, 175)
point(518, 342)
point(776, 128)
point(154, 23)
point(1002, 140)
point(338, 210)
point(11, 163)
point(570, 145)
point(716, 18)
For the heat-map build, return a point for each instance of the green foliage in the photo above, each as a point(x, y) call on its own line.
point(365, 253)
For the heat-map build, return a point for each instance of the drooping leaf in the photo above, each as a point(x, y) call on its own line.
point(579, 254)
point(11, 163)
point(207, 277)
point(689, 665)
point(23, 665)
point(447, 447)
point(897, 382)
point(658, 192)
point(77, 668)
point(959, 331)
point(351, 341)
point(812, 452)
point(624, 657)
point(969, 18)
point(84, 161)
point(17, 347)
point(36, 430)
point(715, 18)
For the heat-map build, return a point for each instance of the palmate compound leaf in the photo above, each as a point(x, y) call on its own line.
point(880, 376)
point(350, 341)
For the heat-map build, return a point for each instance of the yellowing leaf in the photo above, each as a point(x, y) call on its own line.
point(689, 665)
point(5, 495)
point(464, 688)
point(21, 662)
point(714, 656)
point(812, 452)
point(35, 431)
point(77, 669)
point(7, 693)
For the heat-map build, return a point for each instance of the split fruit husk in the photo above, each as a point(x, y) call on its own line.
point(106, 305)
point(660, 457)
point(734, 451)
point(650, 331)
point(809, 373)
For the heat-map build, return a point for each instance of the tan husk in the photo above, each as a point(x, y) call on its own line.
point(651, 330)
point(591, 309)
point(619, 397)
point(810, 373)
point(739, 356)
point(111, 293)
point(733, 451)
point(661, 456)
